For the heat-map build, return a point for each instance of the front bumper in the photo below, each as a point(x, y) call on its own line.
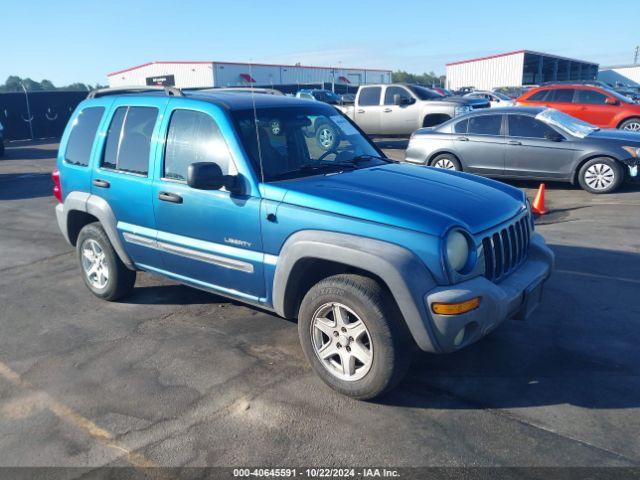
point(515, 296)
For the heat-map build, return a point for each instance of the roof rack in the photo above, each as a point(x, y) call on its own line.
point(103, 92)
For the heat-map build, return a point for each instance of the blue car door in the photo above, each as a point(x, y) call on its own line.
point(209, 238)
point(124, 172)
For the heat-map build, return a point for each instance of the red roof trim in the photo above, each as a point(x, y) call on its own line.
point(245, 63)
point(486, 58)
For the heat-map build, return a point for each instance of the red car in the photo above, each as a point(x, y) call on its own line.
point(599, 106)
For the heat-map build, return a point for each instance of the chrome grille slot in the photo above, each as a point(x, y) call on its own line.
point(505, 249)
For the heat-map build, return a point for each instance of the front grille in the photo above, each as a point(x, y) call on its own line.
point(506, 249)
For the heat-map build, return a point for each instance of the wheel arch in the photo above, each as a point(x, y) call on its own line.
point(637, 117)
point(309, 256)
point(582, 161)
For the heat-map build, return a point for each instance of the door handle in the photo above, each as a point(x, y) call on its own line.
point(360, 111)
point(462, 139)
point(387, 110)
point(170, 197)
point(514, 142)
point(100, 183)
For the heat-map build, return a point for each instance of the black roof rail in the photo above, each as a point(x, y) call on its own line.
point(103, 92)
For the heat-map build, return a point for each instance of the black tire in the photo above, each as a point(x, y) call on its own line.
point(446, 157)
point(612, 175)
point(631, 124)
point(387, 334)
point(327, 136)
point(120, 280)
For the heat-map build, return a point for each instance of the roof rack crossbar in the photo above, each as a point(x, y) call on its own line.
point(103, 92)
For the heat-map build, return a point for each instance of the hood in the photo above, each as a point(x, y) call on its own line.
point(422, 199)
point(473, 102)
point(632, 138)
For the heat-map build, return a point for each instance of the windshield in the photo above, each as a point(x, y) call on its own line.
point(424, 93)
point(619, 96)
point(569, 124)
point(502, 96)
point(295, 142)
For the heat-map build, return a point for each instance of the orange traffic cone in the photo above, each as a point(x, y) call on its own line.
point(538, 204)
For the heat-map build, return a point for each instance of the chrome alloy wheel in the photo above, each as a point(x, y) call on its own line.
point(94, 264)
point(445, 164)
point(632, 126)
point(326, 138)
point(599, 176)
point(341, 341)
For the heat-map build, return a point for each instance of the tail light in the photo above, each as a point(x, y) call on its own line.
point(57, 189)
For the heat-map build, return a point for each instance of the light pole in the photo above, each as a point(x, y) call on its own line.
point(636, 54)
point(26, 96)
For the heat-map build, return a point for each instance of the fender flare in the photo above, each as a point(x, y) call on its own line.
point(407, 278)
point(99, 208)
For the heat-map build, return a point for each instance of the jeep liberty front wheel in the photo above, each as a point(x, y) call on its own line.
point(353, 336)
point(102, 270)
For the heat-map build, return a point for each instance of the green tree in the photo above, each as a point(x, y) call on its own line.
point(47, 85)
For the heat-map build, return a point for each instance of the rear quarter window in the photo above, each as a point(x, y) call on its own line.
point(83, 133)
point(369, 96)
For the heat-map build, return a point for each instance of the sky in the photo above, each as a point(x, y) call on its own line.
point(68, 41)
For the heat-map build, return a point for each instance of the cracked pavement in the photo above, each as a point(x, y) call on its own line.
point(173, 376)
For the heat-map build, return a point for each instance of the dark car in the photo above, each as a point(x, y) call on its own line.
point(1, 140)
point(530, 143)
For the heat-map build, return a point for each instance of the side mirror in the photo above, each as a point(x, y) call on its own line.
point(208, 176)
point(611, 101)
point(553, 136)
point(397, 99)
point(205, 176)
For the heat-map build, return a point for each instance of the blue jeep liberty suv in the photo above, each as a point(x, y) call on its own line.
point(231, 193)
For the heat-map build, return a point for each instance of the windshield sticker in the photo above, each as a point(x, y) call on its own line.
point(344, 125)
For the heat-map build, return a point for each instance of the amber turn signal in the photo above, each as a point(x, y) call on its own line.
point(455, 308)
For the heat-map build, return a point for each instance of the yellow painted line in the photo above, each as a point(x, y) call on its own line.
point(599, 276)
point(38, 398)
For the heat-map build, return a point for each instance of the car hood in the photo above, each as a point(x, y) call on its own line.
point(632, 138)
point(422, 199)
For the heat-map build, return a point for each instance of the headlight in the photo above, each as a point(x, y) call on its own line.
point(457, 250)
point(461, 110)
point(633, 151)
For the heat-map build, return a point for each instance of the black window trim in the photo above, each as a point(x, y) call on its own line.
point(488, 114)
point(101, 166)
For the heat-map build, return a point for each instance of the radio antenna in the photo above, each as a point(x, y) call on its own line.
point(255, 122)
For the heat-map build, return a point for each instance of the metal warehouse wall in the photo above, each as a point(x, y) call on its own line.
point(50, 112)
point(485, 74)
point(186, 74)
point(628, 75)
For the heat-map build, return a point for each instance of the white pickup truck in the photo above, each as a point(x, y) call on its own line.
point(401, 109)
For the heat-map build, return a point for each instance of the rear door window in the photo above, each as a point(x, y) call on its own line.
point(561, 95)
point(193, 137)
point(461, 126)
point(369, 96)
point(83, 133)
point(129, 139)
point(539, 96)
point(485, 125)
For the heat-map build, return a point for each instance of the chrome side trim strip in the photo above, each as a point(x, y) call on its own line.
point(189, 253)
point(206, 257)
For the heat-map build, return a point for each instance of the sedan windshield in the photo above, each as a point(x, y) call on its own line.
point(293, 142)
point(569, 124)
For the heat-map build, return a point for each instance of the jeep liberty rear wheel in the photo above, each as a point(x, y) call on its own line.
point(102, 270)
point(353, 335)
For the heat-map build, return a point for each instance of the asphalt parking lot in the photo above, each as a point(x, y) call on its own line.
point(177, 377)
